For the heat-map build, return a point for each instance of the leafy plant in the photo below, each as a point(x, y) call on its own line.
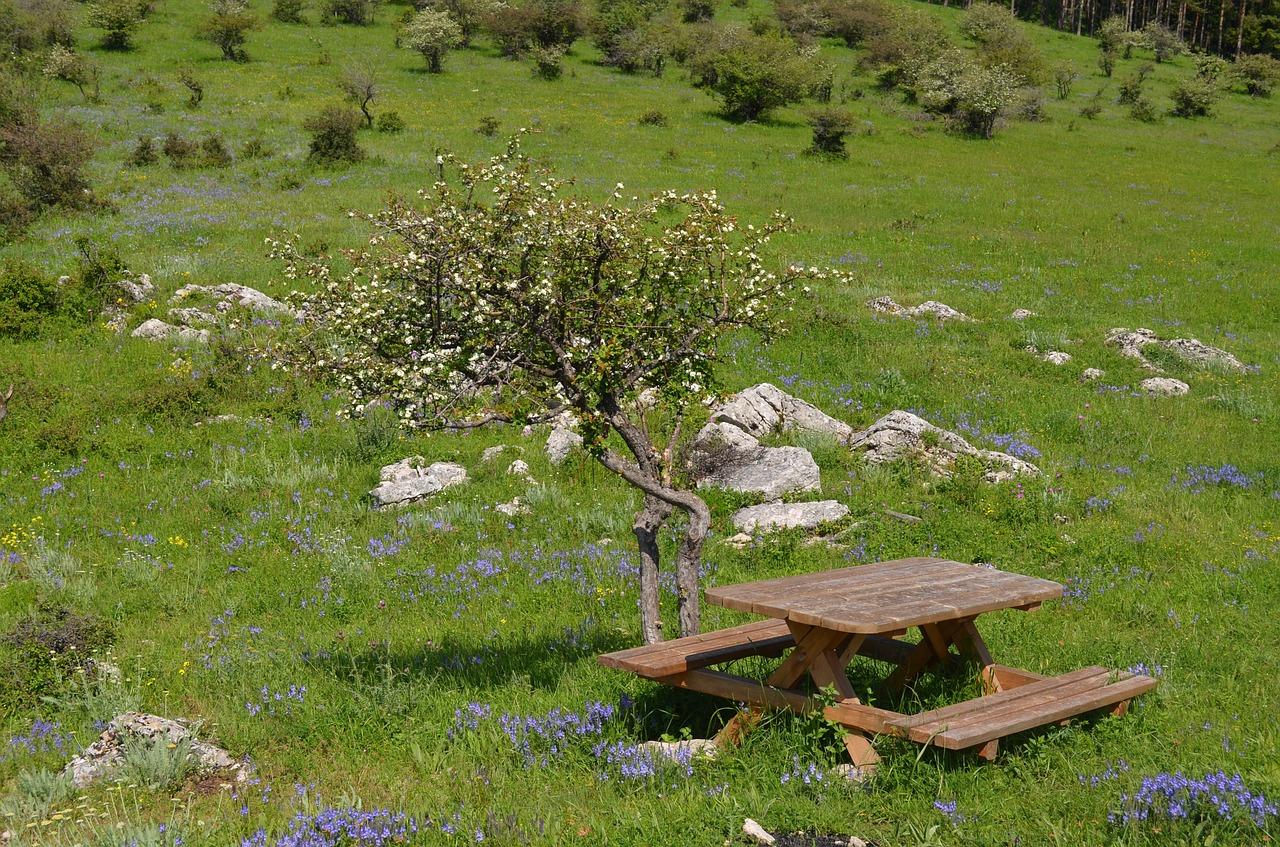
point(158, 764)
point(333, 135)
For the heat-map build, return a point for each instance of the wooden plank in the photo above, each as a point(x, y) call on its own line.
point(1046, 713)
point(884, 649)
point(764, 597)
point(1002, 678)
point(857, 715)
point(681, 654)
point(872, 608)
point(807, 649)
point(937, 717)
point(743, 690)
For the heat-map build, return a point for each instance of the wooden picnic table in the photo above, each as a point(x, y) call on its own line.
point(821, 621)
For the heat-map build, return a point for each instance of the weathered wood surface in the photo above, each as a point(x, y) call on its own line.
point(759, 638)
point(887, 596)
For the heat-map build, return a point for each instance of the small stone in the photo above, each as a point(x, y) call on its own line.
point(519, 468)
point(756, 831)
point(1160, 386)
point(1021, 314)
point(406, 481)
point(681, 750)
point(850, 772)
point(902, 517)
point(1091, 374)
point(740, 540)
point(104, 756)
point(157, 330)
point(491, 453)
point(765, 408)
point(515, 507)
point(929, 308)
point(1055, 357)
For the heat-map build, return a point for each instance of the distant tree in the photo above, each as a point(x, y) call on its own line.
point(507, 299)
point(1160, 40)
point(355, 12)
point(1001, 40)
point(469, 15)
point(542, 23)
point(360, 87)
point(433, 34)
point(548, 62)
point(1064, 76)
point(119, 19)
point(753, 74)
point(1114, 38)
point(228, 26)
point(911, 40)
point(289, 11)
point(187, 77)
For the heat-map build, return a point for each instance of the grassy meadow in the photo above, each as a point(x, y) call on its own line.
point(429, 676)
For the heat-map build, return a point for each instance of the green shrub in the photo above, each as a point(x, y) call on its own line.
point(1064, 76)
point(753, 74)
point(45, 162)
point(548, 62)
point(228, 26)
point(433, 34)
point(390, 122)
point(911, 40)
point(972, 96)
point(119, 19)
point(255, 147)
point(28, 298)
point(214, 152)
point(333, 135)
point(181, 152)
point(188, 79)
point(489, 126)
point(830, 125)
point(1131, 86)
point(42, 649)
point(355, 12)
point(1256, 73)
point(1194, 97)
point(695, 11)
point(1158, 38)
point(289, 11)
point(158, 764)
point(654, 117)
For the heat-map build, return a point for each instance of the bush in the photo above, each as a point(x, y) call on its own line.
point(544, 23)
point(433, 34)
point(489, 126)
point(1211, 68)
point(644, 47)
point(390, 122)
point(1142, 110)
point(654, 117)
point(333, 135)
point(360, 87)
point(830, 125)
point(696, 11)
point(1131, 86)
point(355, 12)
point(469, 15)
point(1094, 107)
point(142, 154)
point(119, 18)
point(187, 78)
point(66, 64)
point(1113, 36)
point(1193, 98)
point(180, 152)
point(45, 163)
point(971, 95)
point(1002, 41)
point(42, 649)
point(214, 152)
point(289, 11)
point(753, 74)
point(228, 26)
point(1256, 73)
point(1064, 76)
point(1161, 40)
point(255, 148)
point(548, 62)
point(28, 297)
point(1107, 63)
point(912, 40)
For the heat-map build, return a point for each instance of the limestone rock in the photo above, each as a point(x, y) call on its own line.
point(1161, 386)
point(515, 507)
point(726, 457)
point(1055, 357)
point(771, 516)
point(519, 468)
point(684, 750)
point(1090, 374)
point(765, 408)
point(1021, 314)
point(900, 434)
point(104, 756)
point(135, 289)
point(929, 308)
point(407, 480)
point(193, 317)
point(560, 443)
point(756, 831)
point(1190, 350)
point(739, 541)
point(491, 453)
point(157, 330)
point(230, 294)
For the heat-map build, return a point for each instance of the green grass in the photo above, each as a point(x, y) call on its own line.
point(242, 554)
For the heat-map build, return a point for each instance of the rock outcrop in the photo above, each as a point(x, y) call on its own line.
point(727, 457)
point(927, 309)
point(1132, 342)
point(774, 516)
point(103, 757)
point(1163, 386)
point(408, 480)
point(765, 408)
point(901, 434)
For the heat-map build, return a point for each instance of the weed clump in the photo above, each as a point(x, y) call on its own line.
point(389, 122)
point(654, 117)
point(42, 648)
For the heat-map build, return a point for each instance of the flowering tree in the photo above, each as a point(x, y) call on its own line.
point(507, 299)
point(433, 34)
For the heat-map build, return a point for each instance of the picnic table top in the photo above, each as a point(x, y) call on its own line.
point(886, 596)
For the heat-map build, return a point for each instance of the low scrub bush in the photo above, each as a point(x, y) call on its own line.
point(1194, 97)
point(389, 122)
point(433, 34)
point(1256, 74)
point(46, 163)
point(42, 648)
point(754, 74)
point(333, 135)
point(548, 62)
point(228, 26)
point(830, 125)
point(119, 20)
point(289, 11)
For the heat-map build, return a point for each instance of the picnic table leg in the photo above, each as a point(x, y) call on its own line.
point(811, 644)
point(861, 753)
point(931, 650)
point(738, 726)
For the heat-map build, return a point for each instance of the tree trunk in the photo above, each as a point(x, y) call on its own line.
point(1222, 21)
point(648, 521)
point(1244, 4)
point(688, 559)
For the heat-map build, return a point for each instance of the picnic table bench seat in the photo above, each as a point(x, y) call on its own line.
point(681, 655)
point(984, 720)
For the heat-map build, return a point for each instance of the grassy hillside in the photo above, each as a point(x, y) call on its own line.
point(233, 571)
